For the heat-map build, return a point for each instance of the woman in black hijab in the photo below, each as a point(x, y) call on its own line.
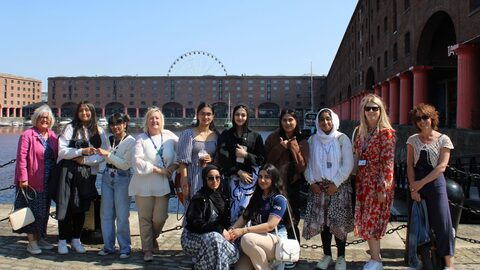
point(205, 236)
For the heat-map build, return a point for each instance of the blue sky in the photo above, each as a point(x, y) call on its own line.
point(42, 39)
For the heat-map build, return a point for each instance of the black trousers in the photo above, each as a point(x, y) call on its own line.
point(327, 243)
point(71, 227)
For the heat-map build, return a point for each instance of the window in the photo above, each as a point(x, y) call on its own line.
point(378, 63)
point(385, 25)
point(407, 43)
point(378, 32)
point(474, 5)
point(406, 4)
point(395, 52)
point(394, 19)
point(385, 59)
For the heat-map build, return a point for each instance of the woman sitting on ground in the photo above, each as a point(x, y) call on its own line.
point(205, 236)
point(265, 211)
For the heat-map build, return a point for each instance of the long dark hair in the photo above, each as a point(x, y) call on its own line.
point(296, 131)
point(206, 105)
point(234, 125)
point(276, 188)
point(91, 125)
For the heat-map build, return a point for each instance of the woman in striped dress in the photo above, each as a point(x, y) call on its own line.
point(196, 149)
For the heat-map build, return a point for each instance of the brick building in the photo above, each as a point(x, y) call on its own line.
point(410, 52)
point(180, 95)
point(18, 92)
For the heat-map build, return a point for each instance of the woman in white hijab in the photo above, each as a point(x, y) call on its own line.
point(329, 207)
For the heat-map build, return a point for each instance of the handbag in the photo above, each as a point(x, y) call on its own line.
point(287, 250)
point(23, 216)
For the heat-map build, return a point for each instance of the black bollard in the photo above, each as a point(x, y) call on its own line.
point(92, 230)
point(456, 196)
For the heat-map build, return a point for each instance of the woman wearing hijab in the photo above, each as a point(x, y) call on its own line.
point(205, 236)
point(240, 152)
point(329, 207)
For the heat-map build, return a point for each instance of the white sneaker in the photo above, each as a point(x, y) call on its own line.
point(77, 246)
point(341, 264)
point(33, 248)
point(43, 244)
point(373, 265)
point(62, 247)
point(325, 262)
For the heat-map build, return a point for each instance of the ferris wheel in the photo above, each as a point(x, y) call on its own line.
point(197, 63)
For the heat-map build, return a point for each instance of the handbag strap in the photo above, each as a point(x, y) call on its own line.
point(25, 195)
point(291, 222)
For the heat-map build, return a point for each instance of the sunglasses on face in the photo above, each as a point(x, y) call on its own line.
point(423, 117)
point(371, 108)
point(212, 178)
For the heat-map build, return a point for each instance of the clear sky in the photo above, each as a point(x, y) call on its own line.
point(42, 39)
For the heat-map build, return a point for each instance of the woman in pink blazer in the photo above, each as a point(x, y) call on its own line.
point(36, 156)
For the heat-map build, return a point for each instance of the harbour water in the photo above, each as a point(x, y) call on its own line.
point(8, 148)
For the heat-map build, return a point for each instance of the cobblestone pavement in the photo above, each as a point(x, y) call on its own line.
point(13, 254)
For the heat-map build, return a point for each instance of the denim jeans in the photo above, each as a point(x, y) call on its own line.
point(115, 206)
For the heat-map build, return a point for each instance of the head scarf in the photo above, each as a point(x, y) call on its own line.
point(214, 196)
point(325, 149)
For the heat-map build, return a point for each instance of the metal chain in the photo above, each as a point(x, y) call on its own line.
point(354, 242)
point(466, 208)
point(10, 187)
point(472, 175)
point(10, 162)
point(468, 240)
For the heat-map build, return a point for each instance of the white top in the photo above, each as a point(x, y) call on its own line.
point(433, 148)
point(120, 156)
point(144, 181)
point(339, 170)
point(65, 152)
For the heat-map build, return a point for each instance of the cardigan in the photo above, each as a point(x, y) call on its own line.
point(30, 158)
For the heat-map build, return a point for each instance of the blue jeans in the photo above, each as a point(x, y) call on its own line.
point(115, 206)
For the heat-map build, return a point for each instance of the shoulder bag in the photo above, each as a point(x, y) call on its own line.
point(23, 216)
point(287, 250)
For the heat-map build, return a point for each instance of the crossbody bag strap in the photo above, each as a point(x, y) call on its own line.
point(291, 222)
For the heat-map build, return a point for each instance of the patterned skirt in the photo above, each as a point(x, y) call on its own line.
point(209, 250)
point(333, 211)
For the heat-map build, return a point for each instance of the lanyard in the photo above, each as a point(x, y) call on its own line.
point(367, 140)
point(159, 151)
point(114, 145)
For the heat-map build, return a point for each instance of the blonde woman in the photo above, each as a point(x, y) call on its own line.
point(374, 149)
point(153, 164)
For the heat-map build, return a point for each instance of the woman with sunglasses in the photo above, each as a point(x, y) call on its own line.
point(329, 207)
point(115, 204)
point(153, 164)
point(205, 236)
point(427, 158)
point(287, 149)
point(196, 149)
point(240, 151)
point(266, 211)
point(374, 151)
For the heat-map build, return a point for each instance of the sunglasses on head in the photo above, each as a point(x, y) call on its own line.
point(211, 178)
point(423, 117)
point(371, 108)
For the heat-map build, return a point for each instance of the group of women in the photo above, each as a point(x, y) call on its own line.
point(241, 195)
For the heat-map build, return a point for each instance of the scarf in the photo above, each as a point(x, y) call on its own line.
point(325, 153)
point(215, 196)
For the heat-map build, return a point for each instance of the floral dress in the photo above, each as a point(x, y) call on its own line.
point(378, 151)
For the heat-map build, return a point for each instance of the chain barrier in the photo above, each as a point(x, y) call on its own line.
point(465, 208)
point(356, 241)
point(8, 163)
point(7, 188)
point(474, 176)
point(473, 241)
